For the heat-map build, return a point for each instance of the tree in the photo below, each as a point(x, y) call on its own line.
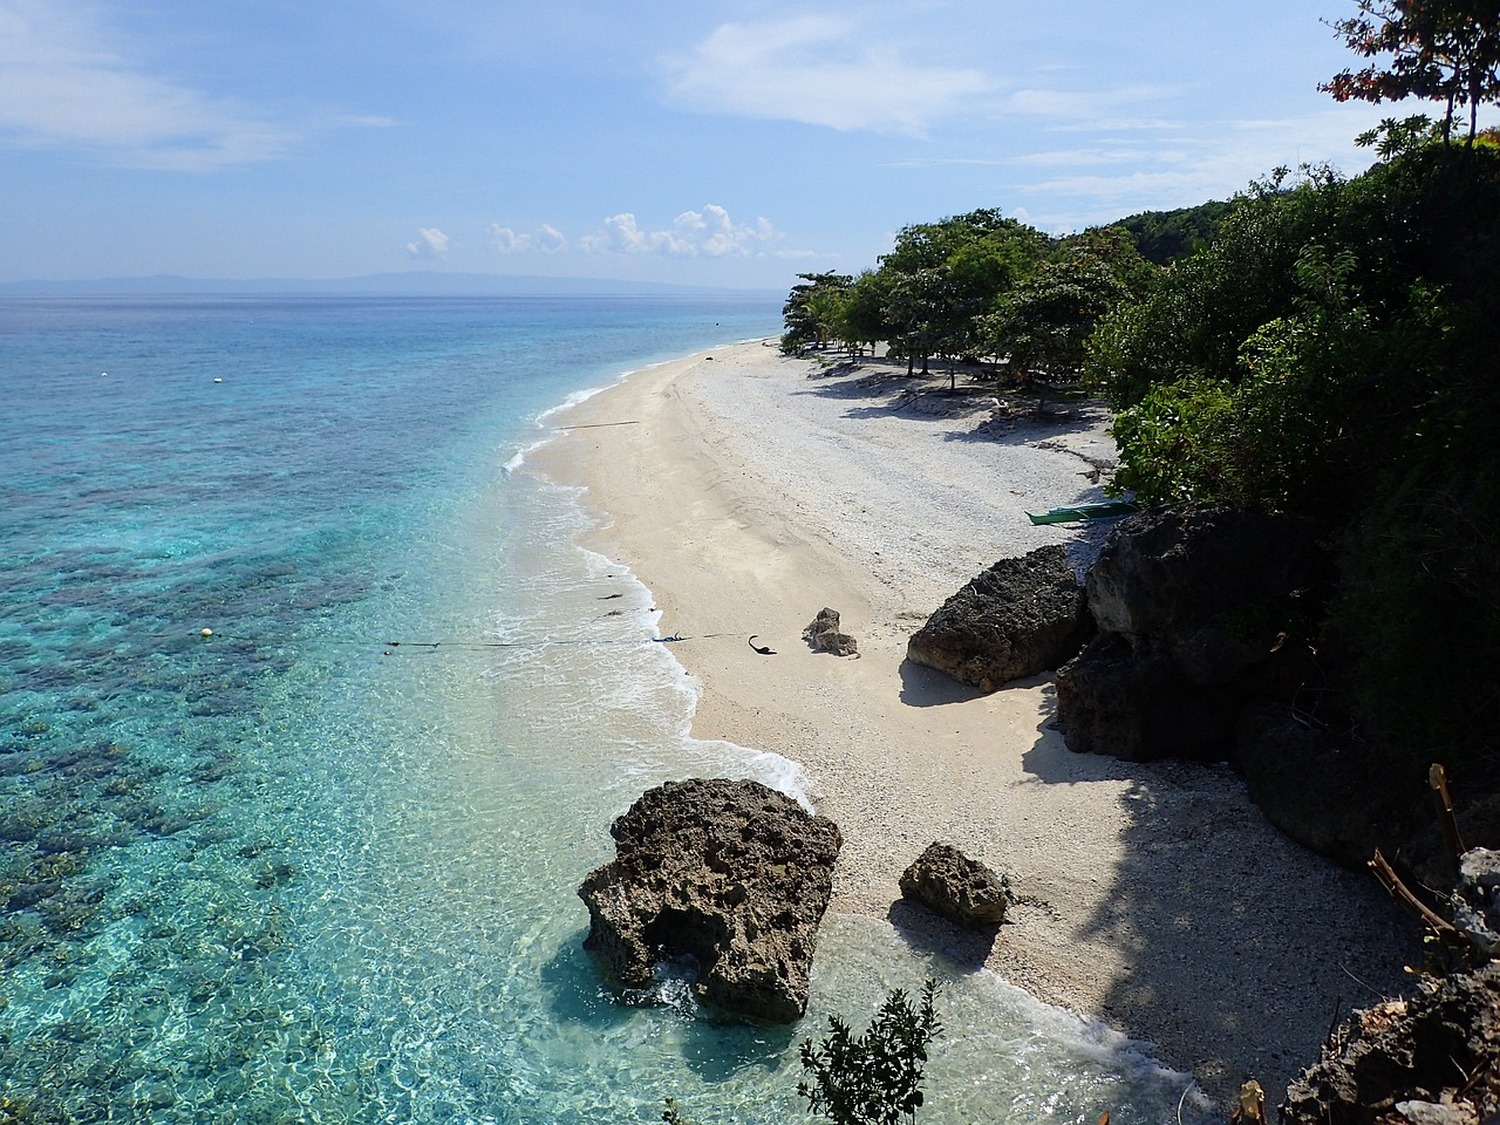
point(1162, 236)
point(1440, 50)
point(862, 318)
point(1042, 325)
point(940, 277)
point(874, 1078)
point(812, 310)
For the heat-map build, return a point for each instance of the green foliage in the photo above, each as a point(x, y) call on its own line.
point(874, 1078)
point(1333, 354)
point(940, 277)
point(1440, 50)
point(1421, 606)
point(862, 320)
point(1174, 442)
point(1042, 324)
point(813, 310)
point(1393, 137)
point(1164, 236)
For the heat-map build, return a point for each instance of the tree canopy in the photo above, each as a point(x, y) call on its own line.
point(1332, 354)
point(1437, 50)
point(973, 286)
point(1163, 236)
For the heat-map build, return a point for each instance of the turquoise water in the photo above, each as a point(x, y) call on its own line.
point(292, 871)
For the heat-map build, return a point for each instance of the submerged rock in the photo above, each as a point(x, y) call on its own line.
point(958, 888)
point(1019, 617)
point(732, 874)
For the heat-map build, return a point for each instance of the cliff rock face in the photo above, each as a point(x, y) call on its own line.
point(1432, 1059)
point(1191, 604)
point(1019, 617)
point(958, 888)
point(730, 873)
point(1476, 900)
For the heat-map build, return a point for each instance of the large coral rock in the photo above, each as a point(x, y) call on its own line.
point(958, 888)
point(1019, 617)
point(1128, 701)
point(1192, 604)
point(1207, 583)
point(1320, 792)
point(1435, 1057)
point(730, 873)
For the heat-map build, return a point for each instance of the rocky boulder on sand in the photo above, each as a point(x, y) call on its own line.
point(1192, 605)
point(1019, 617)
point(732, 874)
point(958, 888)
point(824, 634)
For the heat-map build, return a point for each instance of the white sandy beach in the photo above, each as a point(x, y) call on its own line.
point(749, 491)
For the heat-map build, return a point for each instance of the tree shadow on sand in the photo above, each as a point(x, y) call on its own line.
point(1008, 424)
point(1239, 946)
point(890, 391)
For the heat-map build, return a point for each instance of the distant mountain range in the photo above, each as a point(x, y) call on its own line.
point(415, 283)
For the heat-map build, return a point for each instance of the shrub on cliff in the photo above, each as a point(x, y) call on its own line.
point(1333, 354)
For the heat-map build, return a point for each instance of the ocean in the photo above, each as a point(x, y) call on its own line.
point(312, 719)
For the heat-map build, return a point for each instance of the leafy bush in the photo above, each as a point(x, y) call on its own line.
point(1333, 354)
point(874, 1078)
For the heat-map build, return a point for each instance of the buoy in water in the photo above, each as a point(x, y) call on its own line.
point(205, 632)
point(217, 379)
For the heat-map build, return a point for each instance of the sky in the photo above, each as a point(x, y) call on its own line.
point(698, 143)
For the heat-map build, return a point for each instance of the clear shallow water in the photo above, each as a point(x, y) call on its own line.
point(294, 872)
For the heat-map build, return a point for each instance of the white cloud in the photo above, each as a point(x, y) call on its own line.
point(430, 243)
point(709, 233)
point(549, 239)
point(1100, 183)
point(1096, 109)
point(62, 84)
point(819, 71)
point(546, 239)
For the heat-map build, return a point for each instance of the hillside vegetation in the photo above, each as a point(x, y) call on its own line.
point(1331, 349)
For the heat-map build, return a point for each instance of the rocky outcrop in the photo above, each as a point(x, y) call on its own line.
point(1019, 617)
point(1192, 605)
point(1430, 1060)
point(1322, 793)
point(1476, 901)
point(731, 874)
point(958, 888)
point(1129, 701)
point(824, 634)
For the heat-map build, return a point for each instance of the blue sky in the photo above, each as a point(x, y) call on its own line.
point(705, 143)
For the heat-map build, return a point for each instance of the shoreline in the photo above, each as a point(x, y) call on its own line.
point(749, 491)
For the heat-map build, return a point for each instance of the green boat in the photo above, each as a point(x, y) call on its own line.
point(1080, 512)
